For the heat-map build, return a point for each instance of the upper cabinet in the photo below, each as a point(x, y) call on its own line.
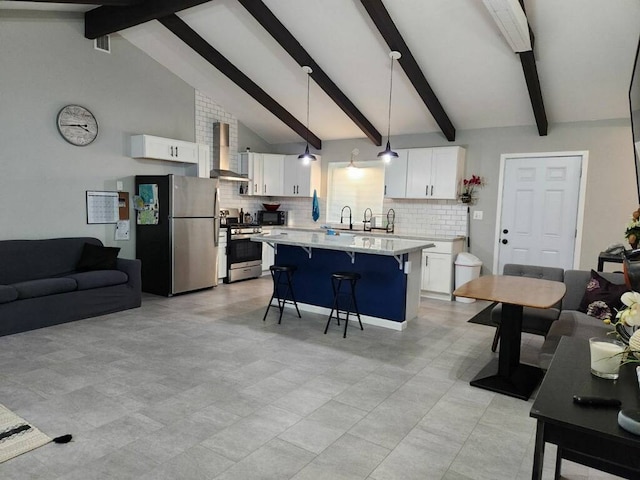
point(272, 174)
point(395, 176)
point(159, 148)
point(300, 180)
point(279, 175)
point(430, 173)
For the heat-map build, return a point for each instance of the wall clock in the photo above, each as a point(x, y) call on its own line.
point(77, 125)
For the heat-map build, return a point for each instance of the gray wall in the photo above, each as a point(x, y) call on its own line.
point(611, 193)
point(248, 138)
point(46, 64)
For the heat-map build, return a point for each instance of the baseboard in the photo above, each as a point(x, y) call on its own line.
point(376, 321)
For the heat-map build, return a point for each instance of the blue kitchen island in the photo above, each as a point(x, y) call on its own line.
point(389, 291)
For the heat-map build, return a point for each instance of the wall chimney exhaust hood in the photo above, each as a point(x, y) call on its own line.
point(220, 158)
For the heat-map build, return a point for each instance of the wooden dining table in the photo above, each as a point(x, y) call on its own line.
point(506, 374)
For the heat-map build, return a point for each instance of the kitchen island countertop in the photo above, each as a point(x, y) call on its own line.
point(373, 233)
point(346, 242)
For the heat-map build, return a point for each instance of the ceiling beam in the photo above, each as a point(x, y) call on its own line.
point(215, 58)
point(528, 61)
point(392, 36)
point(110, 19)
point(279, 32)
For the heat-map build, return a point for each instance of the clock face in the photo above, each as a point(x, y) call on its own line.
point(77, 125)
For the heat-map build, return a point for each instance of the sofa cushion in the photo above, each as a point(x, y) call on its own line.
point(99, 278)
point(44, 287)
point(24, 260)
point(97, 257)
point(573, 324)
point(601, 297)
point(8, 294)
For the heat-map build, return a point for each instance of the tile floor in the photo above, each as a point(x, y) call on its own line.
point(198, 387)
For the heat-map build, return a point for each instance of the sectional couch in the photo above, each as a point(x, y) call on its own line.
point(40, 284)
point(572, 322)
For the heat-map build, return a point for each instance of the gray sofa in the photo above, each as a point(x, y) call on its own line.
point(40, 286)
point(571, 322)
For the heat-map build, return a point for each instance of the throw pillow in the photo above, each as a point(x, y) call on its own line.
point(601, 297)
point(97, 257)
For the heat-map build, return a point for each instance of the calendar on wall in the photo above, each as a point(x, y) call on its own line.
point(102, 207)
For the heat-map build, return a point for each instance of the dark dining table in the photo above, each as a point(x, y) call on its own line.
point(506, 374)
point(587, 435)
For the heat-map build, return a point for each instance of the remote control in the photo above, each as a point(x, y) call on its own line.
point(596, 401)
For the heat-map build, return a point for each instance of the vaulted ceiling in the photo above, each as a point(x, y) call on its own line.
point(457, 71)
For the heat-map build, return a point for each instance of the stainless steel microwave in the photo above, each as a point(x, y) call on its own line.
point(272, 218)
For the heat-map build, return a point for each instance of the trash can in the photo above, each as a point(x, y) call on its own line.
point(467, 268)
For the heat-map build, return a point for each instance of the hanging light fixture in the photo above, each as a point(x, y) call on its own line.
point(387, 154)
point(353, 171)
point(354, 153)
point(307, 157)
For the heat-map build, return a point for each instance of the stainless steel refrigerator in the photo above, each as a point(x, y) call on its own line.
point(177, 233)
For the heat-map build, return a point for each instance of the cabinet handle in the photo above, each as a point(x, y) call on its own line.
point(294, 189)
point(264, 190)
point(255, 188)
point(432, 190)
point(426, 261)
point(426, 191)
point(385, 189)
point(176, 151)
point(171, 154)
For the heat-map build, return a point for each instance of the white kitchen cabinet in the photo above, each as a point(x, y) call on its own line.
point(159, 148)
point(395, 176)
point(265, 172)
point(430, 173)
point(300, 180)
point(272, 174)
point(204, 170)
point(438, 269)
point(222, 254)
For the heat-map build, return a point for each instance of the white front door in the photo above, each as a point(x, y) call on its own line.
point(539, 211)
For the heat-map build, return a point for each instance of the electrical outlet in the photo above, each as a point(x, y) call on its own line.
point(477, 215)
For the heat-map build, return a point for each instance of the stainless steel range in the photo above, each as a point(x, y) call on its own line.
point(244, 257)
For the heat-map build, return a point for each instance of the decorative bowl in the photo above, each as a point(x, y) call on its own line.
point(271, 207)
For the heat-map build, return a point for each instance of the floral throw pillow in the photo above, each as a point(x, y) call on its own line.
point(601, 297)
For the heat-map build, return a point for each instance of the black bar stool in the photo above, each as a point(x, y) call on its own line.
point(350, 279)
point(282, 288)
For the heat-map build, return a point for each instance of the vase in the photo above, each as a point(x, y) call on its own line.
point(633, 245)
point(465, 198)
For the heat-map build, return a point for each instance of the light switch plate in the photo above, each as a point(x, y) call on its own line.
point(119, 186)
point(477, 214)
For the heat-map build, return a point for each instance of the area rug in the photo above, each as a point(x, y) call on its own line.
point(483, 317)
point(18, 437)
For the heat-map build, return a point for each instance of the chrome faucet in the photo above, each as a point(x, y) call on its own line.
point(350, 219)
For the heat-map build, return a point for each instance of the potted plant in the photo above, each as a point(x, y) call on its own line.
point(632, 232)
point(469, 186)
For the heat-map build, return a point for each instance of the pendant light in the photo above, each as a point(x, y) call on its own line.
point(387, 154)
point(307, 157)
point(353, 171)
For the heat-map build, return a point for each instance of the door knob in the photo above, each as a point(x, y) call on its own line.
point(505, 231)
point(505, 241)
